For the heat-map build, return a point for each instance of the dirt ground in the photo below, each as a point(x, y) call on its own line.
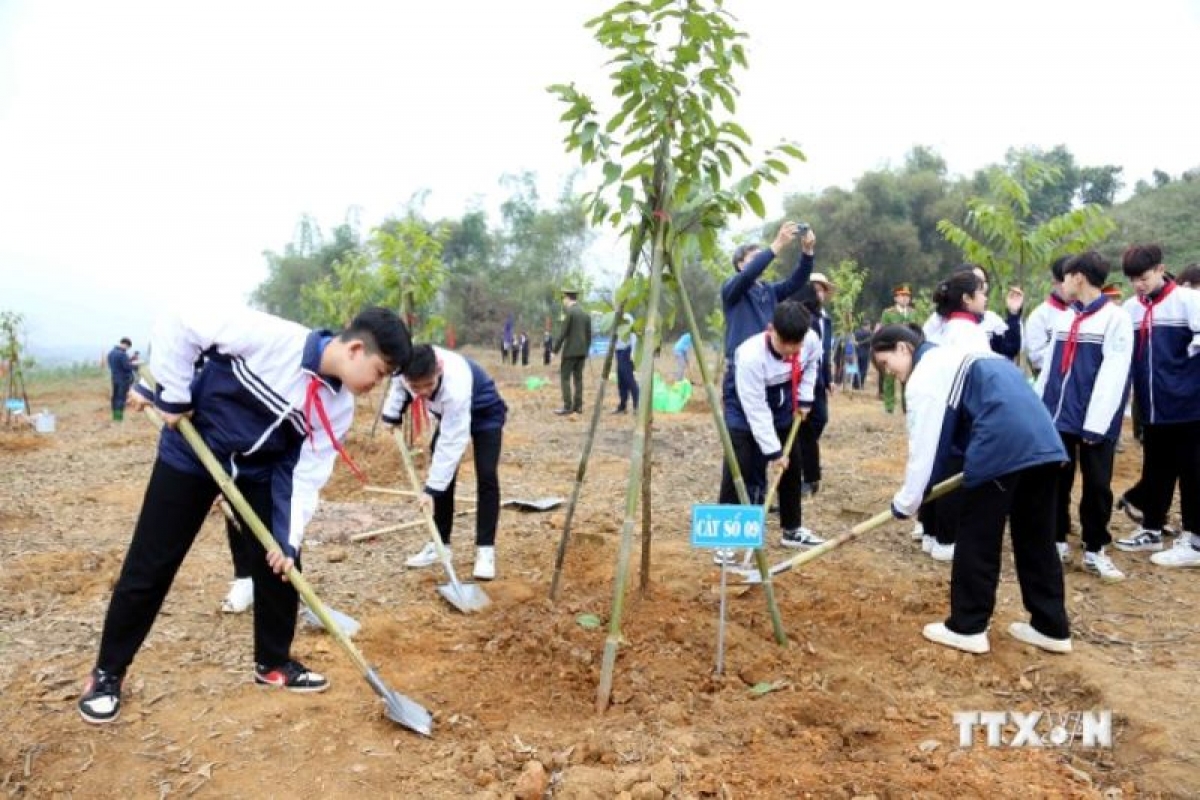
point(860, 705)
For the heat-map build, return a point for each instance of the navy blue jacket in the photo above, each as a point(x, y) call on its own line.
point(1166, 354)
point(749, 304)
point(249, 404)
point(978, 404)
point(120, 366)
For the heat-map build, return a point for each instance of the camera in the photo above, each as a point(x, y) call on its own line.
point(802, 229)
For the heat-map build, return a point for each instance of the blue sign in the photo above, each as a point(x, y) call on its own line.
point(727, 526)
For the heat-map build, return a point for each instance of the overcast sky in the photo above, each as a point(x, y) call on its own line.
point(149, 149)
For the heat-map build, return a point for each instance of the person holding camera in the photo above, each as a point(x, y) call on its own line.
point(747, 302)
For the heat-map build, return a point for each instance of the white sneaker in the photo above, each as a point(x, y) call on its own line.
point(1030, 635)
point(1100, 564)
point(240, 597)
point(927, 543)
point(1064, 554)
point(941, 552)
point(1183, 554)
point(425, 558)
point(918, 531)
point(1141, 540)
point(975, 643)
point(485, 563)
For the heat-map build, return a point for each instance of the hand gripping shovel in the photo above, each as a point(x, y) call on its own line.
point(345, 621)
point(797, 418)
point(880, 519)
point(398, 708)
point(466, 597)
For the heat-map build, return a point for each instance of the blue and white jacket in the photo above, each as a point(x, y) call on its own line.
point(1166, 371)
point(759, 396)
point(1004, 334)
point(961, 329)
point(1086, 379)
point(749, 304)
point(978, 404)
point(248, 404)
point(465, 402)
point(1039, 330)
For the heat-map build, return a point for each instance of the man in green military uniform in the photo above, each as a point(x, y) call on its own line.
point(899, 314)
point(574, 339)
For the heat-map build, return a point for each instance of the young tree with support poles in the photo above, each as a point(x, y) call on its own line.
point(667, 164)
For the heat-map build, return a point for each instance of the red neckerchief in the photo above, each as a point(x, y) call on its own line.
point(418, 412)
point(1148, 318)
point(1072, 343)
point(797, 371)
point(1056, 302)
point(967, 315)
point(312, 399)
point(420, 407)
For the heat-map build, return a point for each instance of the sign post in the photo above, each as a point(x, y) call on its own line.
point(725, 528)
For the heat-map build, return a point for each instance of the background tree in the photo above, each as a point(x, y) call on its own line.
point(848, 277)
point(409, 253)
point(1167, 215)
point(1002, 233)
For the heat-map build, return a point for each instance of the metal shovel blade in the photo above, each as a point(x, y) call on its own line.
point(400, 709)
point(466, 597)
point(347, 623)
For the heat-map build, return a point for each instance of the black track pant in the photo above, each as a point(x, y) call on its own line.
point(1096, 497)
point(486, 445)
point(1025, 499)
point(173, 511)
point(1170, 452)
point(754, 472)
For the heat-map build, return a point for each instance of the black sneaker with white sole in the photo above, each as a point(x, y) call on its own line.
point(293, 676)
point(1141, 540)
point(800, 538)
point(101, 700)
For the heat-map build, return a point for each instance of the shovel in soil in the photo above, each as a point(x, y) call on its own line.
point(344, 621)
point(397, 707)
point(466, 597)
point(880, 519)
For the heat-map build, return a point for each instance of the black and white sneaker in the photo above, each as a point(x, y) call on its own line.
point(800, 537)
point(101, 700)
point(293, 676)
point(1141, 540)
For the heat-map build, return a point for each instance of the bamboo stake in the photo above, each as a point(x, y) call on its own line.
point(403, 526)
point(651, 337)
point(644, 575)
point(735, 471)
point(408, 493)
point(635, 248)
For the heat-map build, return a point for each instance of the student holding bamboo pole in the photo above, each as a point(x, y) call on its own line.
point(981, 404)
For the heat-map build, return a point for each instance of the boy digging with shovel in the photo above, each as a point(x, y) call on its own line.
point(460, 394)
point(774, 375)
point(273, 401)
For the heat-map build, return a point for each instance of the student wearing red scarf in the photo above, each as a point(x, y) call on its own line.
point(1166, 385)
point(1084, 386)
